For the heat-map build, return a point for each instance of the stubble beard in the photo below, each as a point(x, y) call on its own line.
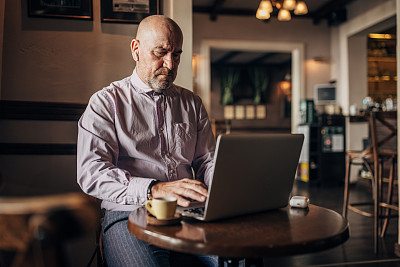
point(163, 84)
point(159, 86)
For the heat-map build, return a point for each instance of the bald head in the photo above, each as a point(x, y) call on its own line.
point(156, 50)
point(156, 22)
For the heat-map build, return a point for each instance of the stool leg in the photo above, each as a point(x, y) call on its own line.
point(389, 197)
point(346, 187)
point(375, 191)
point(380, 195)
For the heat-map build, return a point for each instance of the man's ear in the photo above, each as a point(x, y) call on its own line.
point(135, 49)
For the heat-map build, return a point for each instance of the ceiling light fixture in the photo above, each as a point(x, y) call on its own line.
point(283, 7)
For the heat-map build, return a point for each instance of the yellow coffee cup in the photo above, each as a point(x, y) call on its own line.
point(162, 208)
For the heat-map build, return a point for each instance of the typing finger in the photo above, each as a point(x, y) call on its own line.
point(189, 193)
point(198, 187)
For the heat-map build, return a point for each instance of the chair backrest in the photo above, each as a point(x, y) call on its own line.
point(383, 126)
point(221, 127)
point(2, 182)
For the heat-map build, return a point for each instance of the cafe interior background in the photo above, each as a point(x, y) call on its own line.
point(50, 67)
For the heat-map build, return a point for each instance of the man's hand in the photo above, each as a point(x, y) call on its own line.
point(182, 189)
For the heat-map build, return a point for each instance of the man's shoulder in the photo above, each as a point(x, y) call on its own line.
point(186, 93)
point(114, 87)
point(123, 84)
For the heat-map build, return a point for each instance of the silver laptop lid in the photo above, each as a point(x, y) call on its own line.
point(252, 173)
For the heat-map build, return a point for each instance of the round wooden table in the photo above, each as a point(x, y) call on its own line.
point(281, 232)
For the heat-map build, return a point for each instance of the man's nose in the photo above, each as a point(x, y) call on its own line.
point(168, 61)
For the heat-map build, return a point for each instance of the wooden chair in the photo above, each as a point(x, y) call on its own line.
point(35, 228)
point(99, 236)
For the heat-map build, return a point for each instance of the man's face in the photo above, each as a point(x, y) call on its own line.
point(159, 57)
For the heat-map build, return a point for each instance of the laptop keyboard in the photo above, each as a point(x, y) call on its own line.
point(195, 211)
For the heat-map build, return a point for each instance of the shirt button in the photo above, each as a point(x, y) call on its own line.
point(171, 171)
point(161, 129)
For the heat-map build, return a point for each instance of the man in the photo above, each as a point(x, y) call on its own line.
point(141, 138)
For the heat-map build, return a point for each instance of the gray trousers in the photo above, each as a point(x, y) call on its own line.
point(121, 248)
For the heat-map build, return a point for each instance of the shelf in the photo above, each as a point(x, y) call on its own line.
point(382, 59)
point(382, 69)
point(382, 77)
point(390, 81)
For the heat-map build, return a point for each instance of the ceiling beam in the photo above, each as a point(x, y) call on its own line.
point(325, 11)
point(215, 8)
point(285, 64)
point(261, 58)
point(226, 57)
point(225, 11)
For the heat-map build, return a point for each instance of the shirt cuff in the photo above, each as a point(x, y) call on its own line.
point(137, 190)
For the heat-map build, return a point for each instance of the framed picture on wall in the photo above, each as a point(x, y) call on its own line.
point(128, 11)
point(73, 9)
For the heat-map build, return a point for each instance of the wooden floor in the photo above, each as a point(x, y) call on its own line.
point(359, 249)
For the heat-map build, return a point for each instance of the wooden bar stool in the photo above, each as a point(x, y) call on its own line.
point(360, 158)
point(383, 129)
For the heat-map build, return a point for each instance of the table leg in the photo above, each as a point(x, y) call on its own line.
point(228, 262)
point(234, 262)
point(253, 262)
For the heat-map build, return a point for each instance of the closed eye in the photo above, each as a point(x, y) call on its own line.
point(160, 53)
point(177, 54)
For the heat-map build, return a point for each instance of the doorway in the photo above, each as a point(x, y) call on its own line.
point(203, 72)
point(255, 86)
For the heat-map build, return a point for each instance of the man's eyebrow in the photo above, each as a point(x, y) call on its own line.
point(164, 49)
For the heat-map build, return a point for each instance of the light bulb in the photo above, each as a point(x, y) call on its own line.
point(289, 4)
point(284, 15)
point(266, 5)
point(262, 14)
point(301, 8)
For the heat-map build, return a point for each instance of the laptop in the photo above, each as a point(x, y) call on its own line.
point(252, 173)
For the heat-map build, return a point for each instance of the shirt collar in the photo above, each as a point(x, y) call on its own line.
point(142, 88)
